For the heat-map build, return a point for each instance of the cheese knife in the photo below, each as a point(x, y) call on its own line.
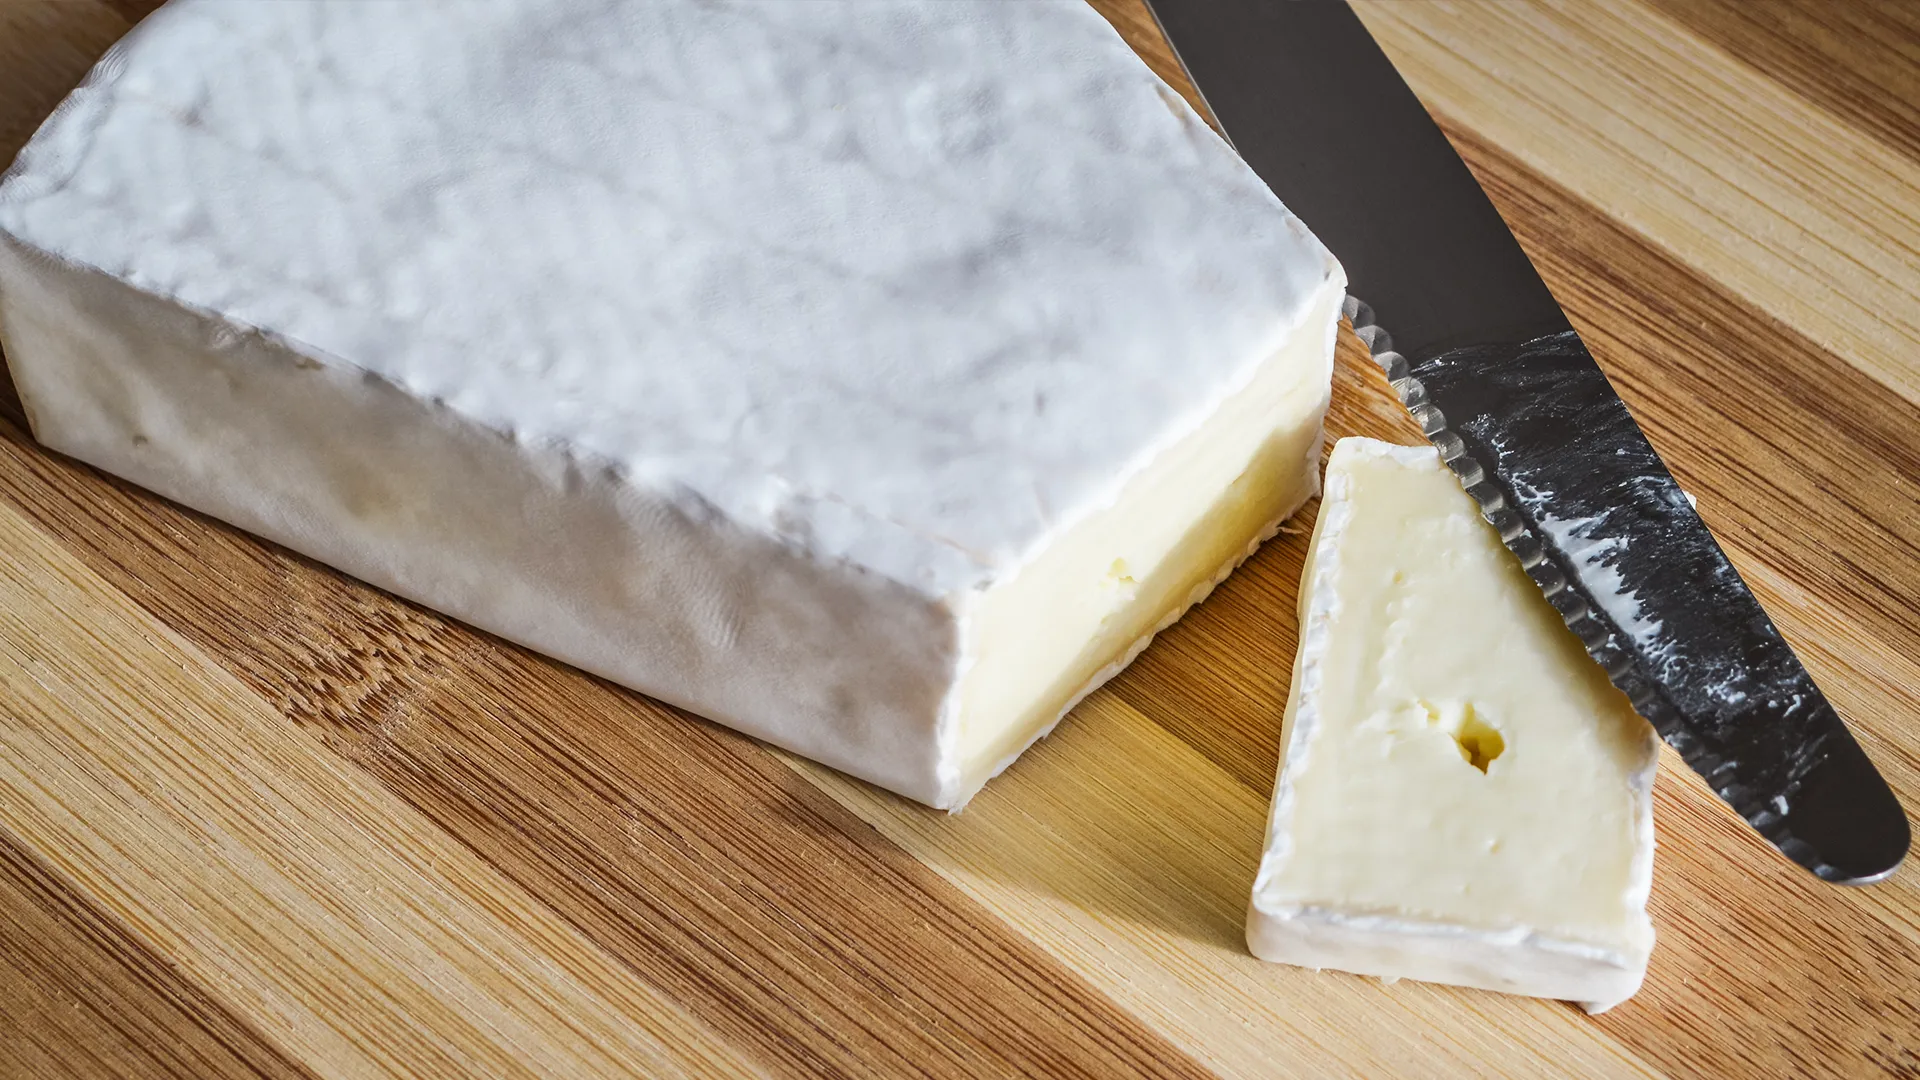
point(1499, 380)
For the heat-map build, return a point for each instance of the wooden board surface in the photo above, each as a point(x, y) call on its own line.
point(257, 818)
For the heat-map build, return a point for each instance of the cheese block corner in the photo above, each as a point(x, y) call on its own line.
point(1463, 797)
point(873, 379)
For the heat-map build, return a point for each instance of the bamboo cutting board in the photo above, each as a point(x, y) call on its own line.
point(256, 818)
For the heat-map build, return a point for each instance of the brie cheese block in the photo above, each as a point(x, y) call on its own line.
point(875, 379)
point(1463, 797)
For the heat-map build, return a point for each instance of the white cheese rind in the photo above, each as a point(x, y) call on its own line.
point(535, 543)
point(1398, 855)
point(744, 354)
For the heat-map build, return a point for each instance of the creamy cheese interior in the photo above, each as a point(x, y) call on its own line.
point(1467, 763)
point(1068, 619)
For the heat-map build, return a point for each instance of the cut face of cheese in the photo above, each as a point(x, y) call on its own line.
point(874, 379)
point(1088, 604)
point(1463, 796)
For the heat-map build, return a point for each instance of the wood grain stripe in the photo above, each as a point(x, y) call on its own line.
point(1760, 970)
point(357, 938)
point(132, 10)
point(1803, 465)
point(685, 851)
point(1859, 60)
point(1800, 215)
point(1806, 469)
point(1130, 856)
point(1680, 169)
point(1878, 691)
point(1795, 455)
point(745, 892)
point(82, 997)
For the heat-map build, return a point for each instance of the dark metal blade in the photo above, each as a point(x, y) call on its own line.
point(1488, 363)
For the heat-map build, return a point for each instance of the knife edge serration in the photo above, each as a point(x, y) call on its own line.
point(1516, 404)
point(1603, 641)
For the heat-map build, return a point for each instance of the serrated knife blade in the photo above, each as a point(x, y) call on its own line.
point(1486, 361)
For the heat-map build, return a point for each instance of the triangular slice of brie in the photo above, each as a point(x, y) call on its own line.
point(1463, 797)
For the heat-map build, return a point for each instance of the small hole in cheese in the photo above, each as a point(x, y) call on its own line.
point(1479, 741)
